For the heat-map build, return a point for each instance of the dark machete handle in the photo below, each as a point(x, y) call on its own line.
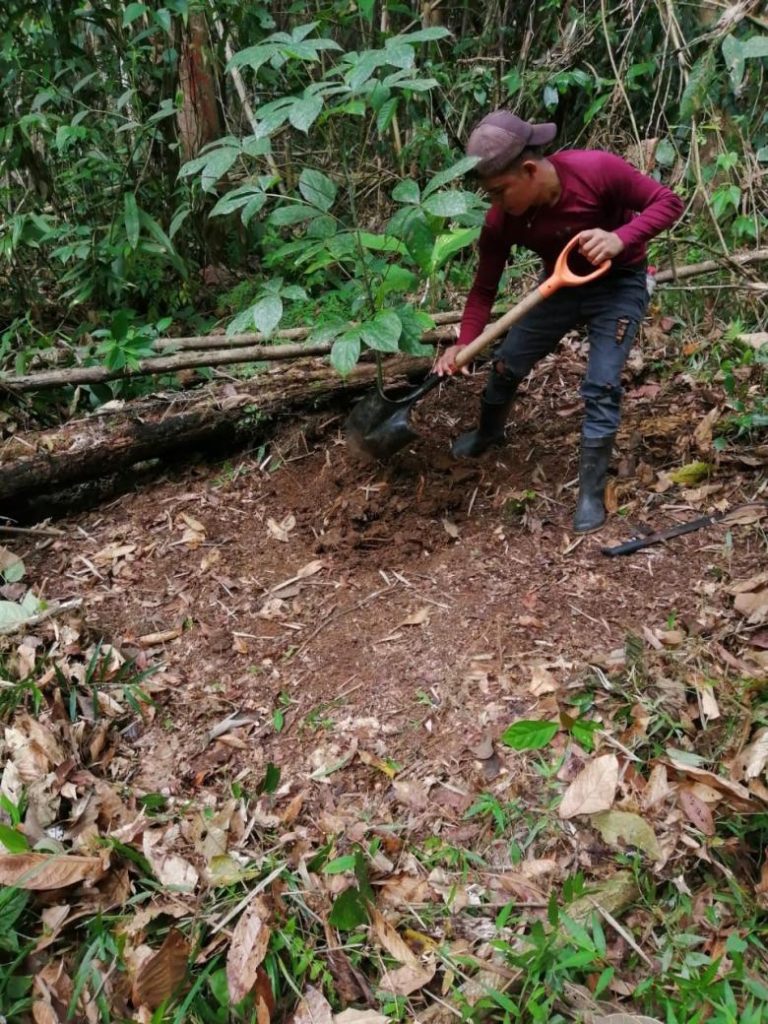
point(656, 538)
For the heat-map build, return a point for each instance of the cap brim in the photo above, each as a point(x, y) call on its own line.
point(542, 134)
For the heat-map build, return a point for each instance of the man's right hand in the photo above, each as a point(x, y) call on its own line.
point(446, 364)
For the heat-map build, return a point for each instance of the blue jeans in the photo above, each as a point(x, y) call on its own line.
point(612, 307)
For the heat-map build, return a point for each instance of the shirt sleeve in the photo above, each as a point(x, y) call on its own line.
point(656, 206)
point(494, 251)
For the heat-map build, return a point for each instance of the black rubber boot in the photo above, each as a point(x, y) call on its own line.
point(593, 470)
point(490, 431)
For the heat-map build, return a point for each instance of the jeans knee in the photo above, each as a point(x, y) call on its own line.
point(502, 383)
point(602, 405)
point(607, 394)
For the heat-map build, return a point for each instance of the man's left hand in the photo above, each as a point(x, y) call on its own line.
point(598, 245)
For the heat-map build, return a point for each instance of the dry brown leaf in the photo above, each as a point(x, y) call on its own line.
point(417, 618)
point(754, 606)
point(281, 531)
point(751, 762)
point(169, 868)
point(352, 1016)
point(389, 939)
point(405, 890)
point(542, 680)
point(411, 794)
point(593, 789)
point(451, 529)
point(313, 1008)
point(746, 515)
point(159, 975)
point(247, 949)
point(739, 795)
point(702, 435)
point(611, 496)
point(39, 872)
point(192, 523)
point(52, 993)
point(696, 811)
point(761, 889)
point(753, 583)
point(405, 980)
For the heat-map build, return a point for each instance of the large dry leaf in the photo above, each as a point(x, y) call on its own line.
point(43, 871)
point(657, 788)
point(411, 793)
point(615, 826)
point(352, 1016)
point(754, 606)
point(160, 974)
point(247, 949)
point(542, 680)
point(313, 1008)
point(391, 941)
point(593, 789)
point(702, 435)
point(740, 798)
point(52, 992)
point(696, 811)
point(407, 979)
point(405, 890)
point(169, 868)
point(752, 759)
point(281, 531)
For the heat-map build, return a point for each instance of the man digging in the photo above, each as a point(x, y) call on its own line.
point(540, 203)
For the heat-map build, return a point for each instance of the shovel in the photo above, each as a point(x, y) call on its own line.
point(379, 424)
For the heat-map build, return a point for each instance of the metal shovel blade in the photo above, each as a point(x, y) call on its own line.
point(380, 425)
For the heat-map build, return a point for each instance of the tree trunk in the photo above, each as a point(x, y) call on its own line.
point(82, 450)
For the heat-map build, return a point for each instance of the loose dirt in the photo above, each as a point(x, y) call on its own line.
point(309, 604)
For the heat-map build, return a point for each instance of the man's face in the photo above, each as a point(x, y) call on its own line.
point(513, 191)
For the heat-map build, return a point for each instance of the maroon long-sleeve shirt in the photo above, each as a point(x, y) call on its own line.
point(598, 190)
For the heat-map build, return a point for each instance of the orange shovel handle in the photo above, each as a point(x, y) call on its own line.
point(562, 277)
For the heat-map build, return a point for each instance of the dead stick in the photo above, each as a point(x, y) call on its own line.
point(40, 531)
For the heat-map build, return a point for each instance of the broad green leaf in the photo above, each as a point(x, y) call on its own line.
point(733, 54)
point(396, 279)
point(267, 313)
point(366, 8)
point(317, 188)
point(15, 841)
point(414, 322)
point(12, 613)
point(294, 293)
point(617, 826)
point(424, 35)
point(665, 153)
point(383, 332)
point(349, 910)
point(293, 214)
point(323, 226)
point(406, 192)
point(340, 865)
point(345, 353)
point(449, 244)
point(380, 243)
point(251, 208)
point(595, 107)
point(178, 218)
point(236, 199)
point(12, 568)
point(305, 112)
point(450, 174)
point(131, 219)
point(449, 204)
point(413, 84)
point(163, 19)
point(386, 115)
point(400, 55)
point(529, 735)
point(132, 12)
point(419, 239)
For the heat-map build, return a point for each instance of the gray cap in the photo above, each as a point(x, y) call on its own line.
point(501, 137)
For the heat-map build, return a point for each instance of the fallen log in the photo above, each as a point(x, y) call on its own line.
point(98, 445)
point(78, 375)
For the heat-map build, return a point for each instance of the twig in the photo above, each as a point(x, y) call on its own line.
point(620, 930)
point(40, 531)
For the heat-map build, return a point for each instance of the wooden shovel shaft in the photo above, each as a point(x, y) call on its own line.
point(497, 329)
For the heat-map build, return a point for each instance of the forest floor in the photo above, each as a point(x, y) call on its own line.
point(357, 663)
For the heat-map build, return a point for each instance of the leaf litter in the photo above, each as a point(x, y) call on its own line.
point(222, 876)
